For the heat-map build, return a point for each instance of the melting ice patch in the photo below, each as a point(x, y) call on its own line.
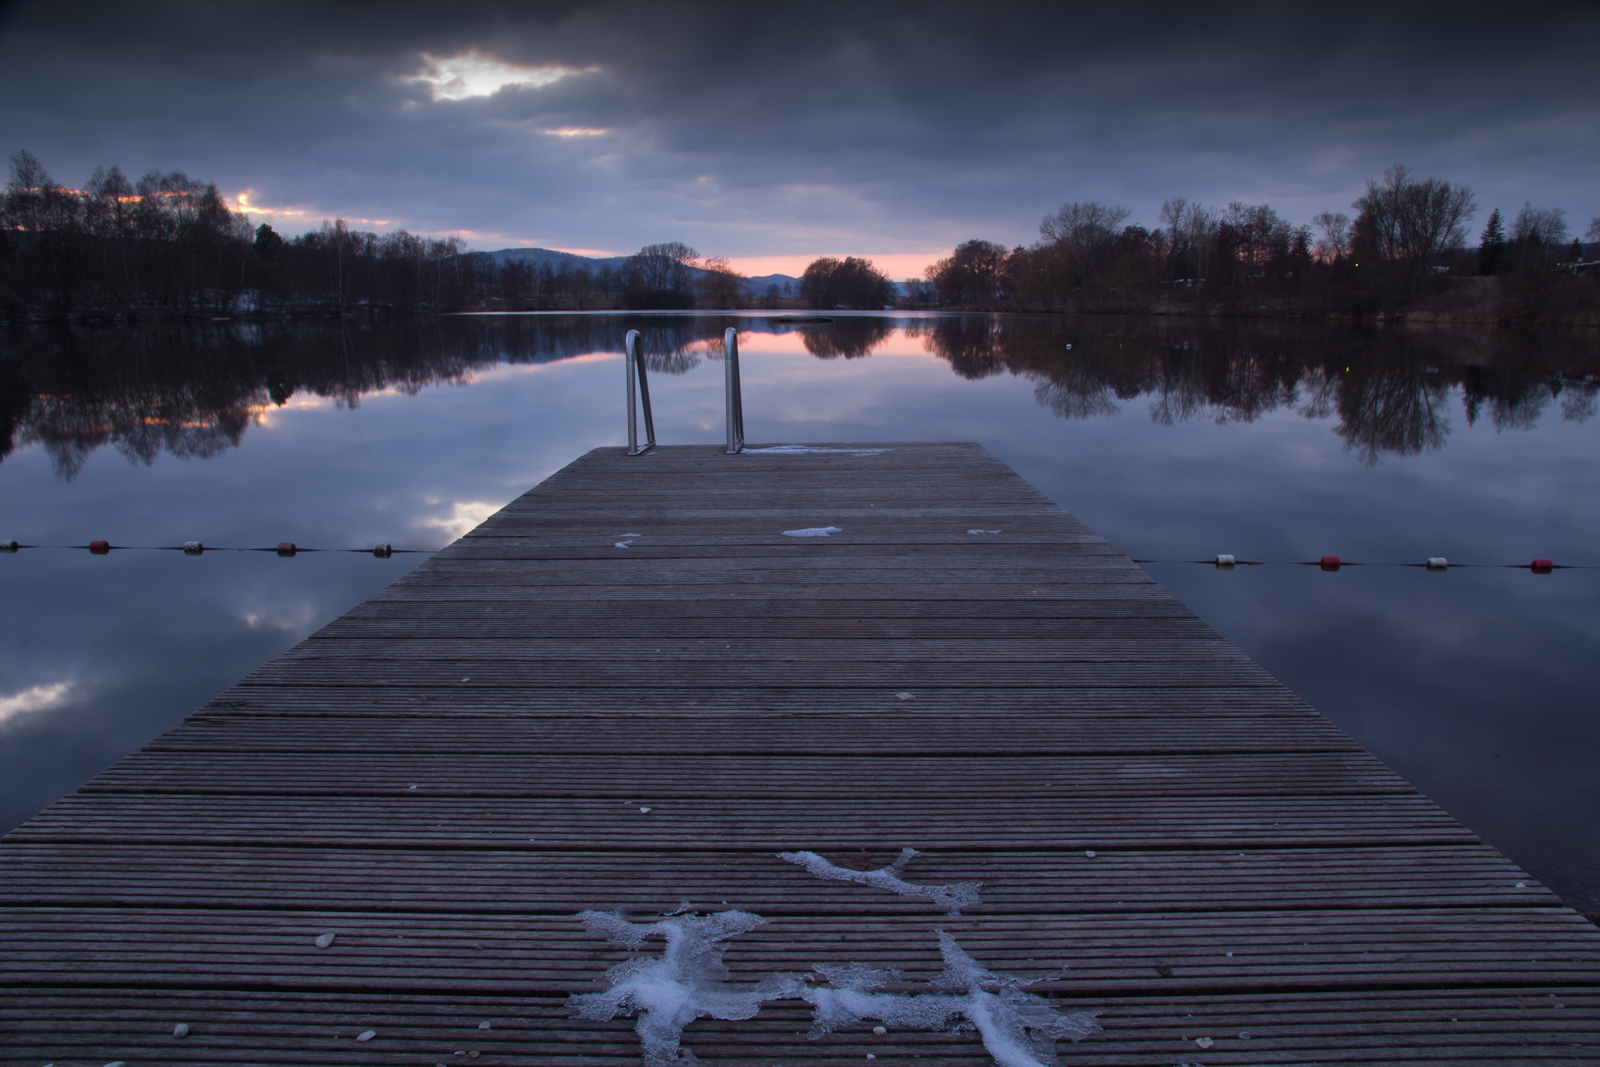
point(687, 981)
point(813, 531)
point(952, 897)
point(801, 450)
point(1018, 1028)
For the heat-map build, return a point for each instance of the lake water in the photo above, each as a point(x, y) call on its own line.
point(1175, 439)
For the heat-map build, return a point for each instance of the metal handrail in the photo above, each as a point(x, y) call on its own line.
point(735, 401)
point(633, 369)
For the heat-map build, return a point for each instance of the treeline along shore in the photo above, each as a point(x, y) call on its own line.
point(166, 245)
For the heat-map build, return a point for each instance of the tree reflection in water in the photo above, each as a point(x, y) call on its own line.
point(1389, 389)
point(192, 391)
point(851, 338)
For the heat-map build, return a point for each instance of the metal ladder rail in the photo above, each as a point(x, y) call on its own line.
point(633, 369)
point(735, 401)
point(639, 393)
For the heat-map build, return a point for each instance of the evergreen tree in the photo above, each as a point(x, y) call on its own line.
point(1492, 245)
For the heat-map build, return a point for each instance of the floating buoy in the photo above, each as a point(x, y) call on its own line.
point(99, 548)
point(193, 548)
point(1224, 561)
point(286, 548)
point(1437, 563)
point(1330, 563)
point(382, 551)
point(8, 546)
point(1541, 566)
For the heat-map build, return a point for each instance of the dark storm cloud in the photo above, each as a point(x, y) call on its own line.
point(871, 127)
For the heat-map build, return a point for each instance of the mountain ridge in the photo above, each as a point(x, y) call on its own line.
point(755, 286)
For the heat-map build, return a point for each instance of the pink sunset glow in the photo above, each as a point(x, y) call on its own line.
point(897, 265)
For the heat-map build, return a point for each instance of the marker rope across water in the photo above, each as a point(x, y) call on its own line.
point(1334, 563)
point(287, 549)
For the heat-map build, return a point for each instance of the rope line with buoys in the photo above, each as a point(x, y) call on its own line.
point(1333, 563)
point(286, 549)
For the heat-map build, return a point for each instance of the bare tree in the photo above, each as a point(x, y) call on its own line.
point(26, 195)
point(974, 275)
point(919, 292)
point(1173, 212)
point(1335, 240)
point(1412, 223)
point(1085, 232)
point(1258, 234)
point(720, 286)
point(661, 275)
point(1537, 233)
point(1199, 229)
point(1544, 225)
point(850, 283)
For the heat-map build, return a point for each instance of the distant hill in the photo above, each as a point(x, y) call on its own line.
point(554, 258)
point(756, 287)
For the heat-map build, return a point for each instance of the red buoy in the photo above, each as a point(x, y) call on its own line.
point(285, 548)
point(1330, 563)
point(1541, 566)
point(100, 548)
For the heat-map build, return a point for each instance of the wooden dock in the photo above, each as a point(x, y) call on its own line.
point(540, 721)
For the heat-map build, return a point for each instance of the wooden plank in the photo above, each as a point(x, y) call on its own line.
point(444, 727)
point(1009, 706)
point(1467, 1027)
point(537, 722)
point(420, 818)
point(531, 954)
point(524, 882)
point(1017, 776)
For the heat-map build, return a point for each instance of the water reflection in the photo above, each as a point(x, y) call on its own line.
point(851, 338)
point(1389, 389)
point(193, 392)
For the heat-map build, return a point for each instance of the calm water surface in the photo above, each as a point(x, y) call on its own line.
point(1176, 440)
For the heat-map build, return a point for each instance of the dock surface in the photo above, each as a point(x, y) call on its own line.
point(631, 690)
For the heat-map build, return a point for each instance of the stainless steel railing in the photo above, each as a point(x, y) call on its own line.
point(735, 402)
point(633, 367)
point(639, 394)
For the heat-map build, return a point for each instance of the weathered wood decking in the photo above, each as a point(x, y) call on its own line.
point(446, 774)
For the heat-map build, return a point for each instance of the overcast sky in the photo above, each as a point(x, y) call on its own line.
point(774, 133)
